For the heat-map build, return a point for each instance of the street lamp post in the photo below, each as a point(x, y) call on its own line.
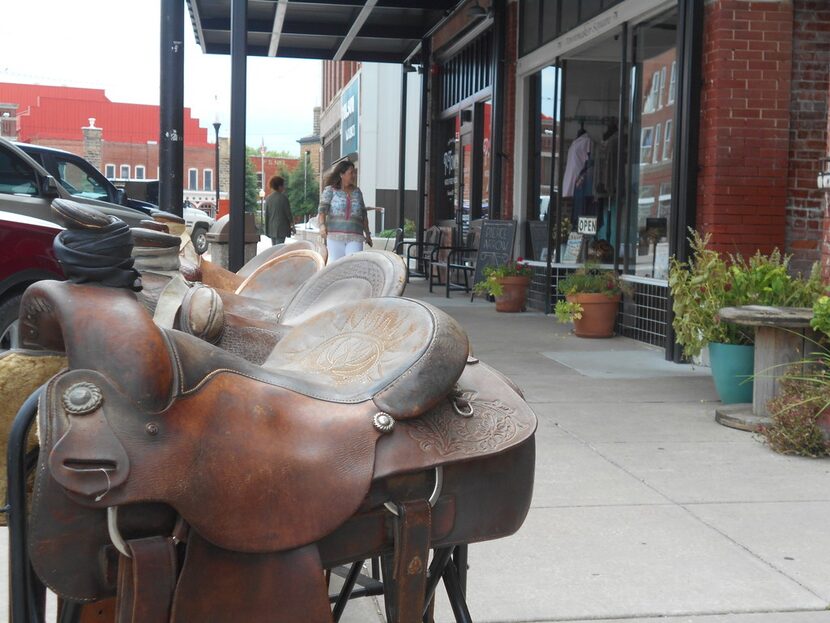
point(305, 179)
point(262, 208)
point(216, 126)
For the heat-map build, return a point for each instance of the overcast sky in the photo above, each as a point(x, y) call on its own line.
point(114, 45)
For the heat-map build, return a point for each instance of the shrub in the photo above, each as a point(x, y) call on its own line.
point(795, 411)
point(708, 282)
point(492, 275)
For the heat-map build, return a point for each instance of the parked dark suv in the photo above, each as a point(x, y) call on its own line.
point(79, 177)
point(27, 188)
point(26, 256)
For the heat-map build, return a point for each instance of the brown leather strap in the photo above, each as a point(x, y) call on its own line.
point(412, 540)
point(221, 586)
point(146, 581)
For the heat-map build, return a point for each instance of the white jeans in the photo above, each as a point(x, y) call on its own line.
point(339, 248)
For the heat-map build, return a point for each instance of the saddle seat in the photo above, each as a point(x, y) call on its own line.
point(250, 325)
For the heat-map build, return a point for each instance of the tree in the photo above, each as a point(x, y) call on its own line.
point(251, 188)
point(269, 153)
point(303, 191)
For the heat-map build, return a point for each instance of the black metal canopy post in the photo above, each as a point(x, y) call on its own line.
point(402, 148)
point(422, 141)
point(499, 30)
point(239, 84)
point(171, 106)
point(684, 199)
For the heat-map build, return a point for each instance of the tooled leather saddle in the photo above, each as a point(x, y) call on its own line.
point(368, 430)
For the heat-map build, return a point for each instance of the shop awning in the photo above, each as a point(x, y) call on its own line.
point(384, 31)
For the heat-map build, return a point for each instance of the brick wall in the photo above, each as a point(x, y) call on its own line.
point(745, 124)
point(510, 56)
point(808, 132)
point(825, 251)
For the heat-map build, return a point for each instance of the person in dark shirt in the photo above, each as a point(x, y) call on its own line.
point(279, 221)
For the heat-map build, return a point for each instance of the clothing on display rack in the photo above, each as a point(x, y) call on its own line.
point(578, 154)
point(605, 167)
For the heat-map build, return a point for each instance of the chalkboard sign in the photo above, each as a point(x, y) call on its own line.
point(538, 240)
point(495, 245)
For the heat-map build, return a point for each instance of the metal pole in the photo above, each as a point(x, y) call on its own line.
point(171, 108)
point(497, 160)
point(239, 85)
point(402, 148)
point(216, 127)
point(420, 217)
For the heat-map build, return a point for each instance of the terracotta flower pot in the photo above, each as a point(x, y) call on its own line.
point(599, 314)
point(515, 294)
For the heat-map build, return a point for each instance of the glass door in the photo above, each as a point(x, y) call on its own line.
point(651, 146)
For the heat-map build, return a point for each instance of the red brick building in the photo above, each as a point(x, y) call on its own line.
point(120, 139)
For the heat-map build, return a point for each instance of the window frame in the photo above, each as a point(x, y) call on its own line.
point(667, 139)
point(109, 171)
point(655, 143)
point(205, 174)
point(121, 168)
point(140, 172)
point(192, 179)
point(646, 131)
point(672, 95)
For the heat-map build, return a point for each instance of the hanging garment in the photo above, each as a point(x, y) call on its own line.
point(578, 154)
point(605, 174)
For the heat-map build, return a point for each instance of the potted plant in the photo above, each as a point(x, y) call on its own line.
point(709, 282)
point(508, 283)
point(592, 297)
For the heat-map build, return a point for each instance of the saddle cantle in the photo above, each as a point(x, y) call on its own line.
point(291, 460)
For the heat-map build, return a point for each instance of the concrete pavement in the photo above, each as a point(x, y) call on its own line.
point(644, 508)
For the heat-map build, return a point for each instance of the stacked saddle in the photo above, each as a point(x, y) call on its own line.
point(366, 429)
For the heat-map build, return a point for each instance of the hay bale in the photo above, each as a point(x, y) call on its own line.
point(21, 373)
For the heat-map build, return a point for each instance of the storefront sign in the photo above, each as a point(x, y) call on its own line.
point(587, 225)
point(573, 248)
point(349, 109)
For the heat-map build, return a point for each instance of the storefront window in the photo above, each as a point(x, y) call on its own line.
point(448, 178)
point(655, 54)
point(486, 151)
point(589, 207)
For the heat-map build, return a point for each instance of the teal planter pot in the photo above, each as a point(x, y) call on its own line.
point(732, 368)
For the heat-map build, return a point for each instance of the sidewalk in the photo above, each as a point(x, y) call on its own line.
point(645, 509)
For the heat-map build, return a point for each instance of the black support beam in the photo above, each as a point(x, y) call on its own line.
point(239, 84)
point(171, 107)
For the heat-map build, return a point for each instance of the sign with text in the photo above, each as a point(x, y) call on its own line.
point(495, 245)
point(349, 115)
point(573, 248)
point(587, 225)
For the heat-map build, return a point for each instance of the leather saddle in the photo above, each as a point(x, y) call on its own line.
point(368, 429)
point(248, 326)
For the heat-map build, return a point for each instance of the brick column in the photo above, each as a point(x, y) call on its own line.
point(93, 141)
point(808, 132)
point(745, 124)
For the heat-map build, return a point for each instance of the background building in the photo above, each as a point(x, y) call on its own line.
point(120, 139)
point(360, 120)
